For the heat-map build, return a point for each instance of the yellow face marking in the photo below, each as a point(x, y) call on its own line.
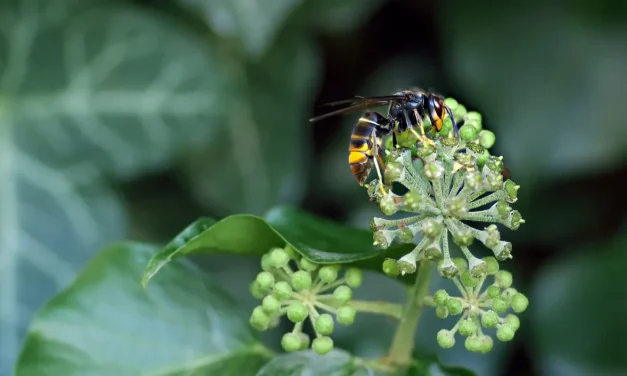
point(356, 157)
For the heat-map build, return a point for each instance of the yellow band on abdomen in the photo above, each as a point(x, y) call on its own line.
point(356, 157)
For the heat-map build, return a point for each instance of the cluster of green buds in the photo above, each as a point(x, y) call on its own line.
point(480, 308)
point(294, 286)
point(449, 185)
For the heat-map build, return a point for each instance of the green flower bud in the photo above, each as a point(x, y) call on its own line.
point(508, 293)
point(297, 312)
point(328, 273)
point(505, 332)
point(431, 227)
point(490, 319)
point(473, 344)
point(468, 280)
point(515, 220)
point(474, 124)
point(346, 315)
point(322, 345)
point(291, 342)
point(467, 132)
point(270, 305)
point(451, 103)
point(412, 201)
point(388, 204)
point(380, 239)
point(460, 111)
point(445, 338)
point(473, 116)
point(493, 238)
point(519, 303)
point(493, 265)
point(282, 290)
point(455, 306)
point(467, 327)
point(433, 170)
point(432, 251)
point(457, 207)
point(324, 324)
point(393, 171)
point(493, 181)
point(502, 251)
point(486, 344)
point(487, 139)
point(460, 264)
point(503, 208)
point(477, 267)
point(464, 238)
point(493, 291)
point(511, 189)
point(291, 252)
point(441, 312)
point(354, 277)
point(265, 280)
point(390, 268)
point(279, 258)
point(503, 278)
point(499, 305)
point(342, 294)
point(308, 265)
point(405, 235)
point(256, 291)
point(513, 321)
point(266, 263)
point(304, 341)
point(447, 268)
point(440, 297)
point(259, 320)
point(472, 179)
point(447, 126)
point(301, 280)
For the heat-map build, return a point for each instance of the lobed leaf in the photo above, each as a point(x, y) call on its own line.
point(86, 90)
point(335, 363)
point(317, 239)
point(106, 324)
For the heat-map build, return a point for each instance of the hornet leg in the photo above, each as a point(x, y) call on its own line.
point(375, 158)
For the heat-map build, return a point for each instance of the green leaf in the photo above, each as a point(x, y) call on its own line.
point(335, 17)
point(253, 23)
point(106, 324)
point(554, 116)
point(577, 311)
point(335, 363)
point(261, 156)
point(86, 91)
point(431, 366)
point(319, 240)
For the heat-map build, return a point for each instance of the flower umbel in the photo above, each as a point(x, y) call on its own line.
point(449, 185)
point(293, 286)
point(480, 309)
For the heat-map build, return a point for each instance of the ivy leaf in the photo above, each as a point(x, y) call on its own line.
point(85, 90)
point(335, 363)
point(106, 324)
point(260, 158)
point(319, 240)
point(577, 311)
point(253, 23)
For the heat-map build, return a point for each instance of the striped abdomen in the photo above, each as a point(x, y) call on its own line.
point(367, 133)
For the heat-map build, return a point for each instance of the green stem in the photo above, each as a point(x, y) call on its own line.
point(403, 341)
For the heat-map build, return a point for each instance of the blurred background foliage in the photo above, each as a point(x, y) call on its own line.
point(129, 119)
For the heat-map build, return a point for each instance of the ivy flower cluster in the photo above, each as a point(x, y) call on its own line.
point(480, 308)
point(294, 286)
point(447, 185)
